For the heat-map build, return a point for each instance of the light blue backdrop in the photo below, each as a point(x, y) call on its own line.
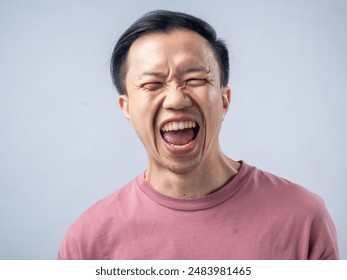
point(64, 143)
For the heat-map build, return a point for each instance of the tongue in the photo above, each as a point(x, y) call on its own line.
point(179, 137)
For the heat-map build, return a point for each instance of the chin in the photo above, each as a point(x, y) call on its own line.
point(182, 169)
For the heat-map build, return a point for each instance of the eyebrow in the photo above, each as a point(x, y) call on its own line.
point(184, 71)
point(197, 69)
point(153, 73)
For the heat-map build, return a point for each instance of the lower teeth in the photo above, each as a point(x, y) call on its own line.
point(174, 145)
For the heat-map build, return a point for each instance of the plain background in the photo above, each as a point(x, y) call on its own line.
point(64, 143)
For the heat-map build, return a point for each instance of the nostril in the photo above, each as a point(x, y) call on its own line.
point(177, 100)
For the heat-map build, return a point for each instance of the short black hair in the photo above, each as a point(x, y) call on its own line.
point(165, 21)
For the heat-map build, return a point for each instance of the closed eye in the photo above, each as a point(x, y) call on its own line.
point(195, 82)
point(153, 86)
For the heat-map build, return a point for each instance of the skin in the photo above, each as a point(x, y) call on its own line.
point(175, 77)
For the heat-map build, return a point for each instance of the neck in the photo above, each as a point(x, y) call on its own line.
point(206, 178)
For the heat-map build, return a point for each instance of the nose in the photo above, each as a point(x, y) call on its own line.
point(177, 98)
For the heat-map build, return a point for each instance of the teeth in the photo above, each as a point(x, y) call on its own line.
point(178, 125)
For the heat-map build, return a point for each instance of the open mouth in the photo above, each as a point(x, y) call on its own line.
point(179, 133)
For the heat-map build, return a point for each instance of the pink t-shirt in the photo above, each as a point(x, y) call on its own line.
point(256, 215)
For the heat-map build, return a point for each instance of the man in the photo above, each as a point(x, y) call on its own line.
point(192, 202)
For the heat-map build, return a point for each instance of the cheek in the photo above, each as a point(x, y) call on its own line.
point(215, 108)
point(142, 112)
point(214, 101)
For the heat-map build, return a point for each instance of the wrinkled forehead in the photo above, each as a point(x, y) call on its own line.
point(183, 37)
point(177, 48)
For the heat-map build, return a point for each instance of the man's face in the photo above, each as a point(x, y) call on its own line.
point(174, 100)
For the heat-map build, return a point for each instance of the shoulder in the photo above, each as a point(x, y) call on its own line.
point(284, 194)
point(97, 221)
point(112, 206)
point(295, 210)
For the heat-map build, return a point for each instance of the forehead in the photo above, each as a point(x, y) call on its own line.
point(173, 50)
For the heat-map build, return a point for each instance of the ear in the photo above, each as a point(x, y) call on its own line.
point(226, 94)
point(123, 101)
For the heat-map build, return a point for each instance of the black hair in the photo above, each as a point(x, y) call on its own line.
point(165, 21)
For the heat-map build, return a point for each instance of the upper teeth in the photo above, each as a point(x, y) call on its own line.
point(178, 125)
